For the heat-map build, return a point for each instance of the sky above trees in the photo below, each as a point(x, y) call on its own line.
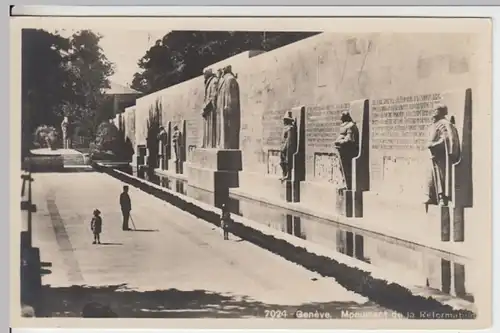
point(116, 45)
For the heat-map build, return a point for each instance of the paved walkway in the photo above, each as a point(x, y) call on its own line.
point(174, 265)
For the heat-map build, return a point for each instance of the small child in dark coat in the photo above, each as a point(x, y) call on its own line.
point(225, 221)
point(96, 226)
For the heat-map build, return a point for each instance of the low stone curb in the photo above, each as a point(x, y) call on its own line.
point(390, 295)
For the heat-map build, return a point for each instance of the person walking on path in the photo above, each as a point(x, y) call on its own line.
point(225, 221)
point(126, 207)
point(96, 226)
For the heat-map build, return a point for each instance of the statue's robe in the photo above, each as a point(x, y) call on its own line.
point(209, 112)
point(227, 134)
point(348, 148)
point(444, 148)
point(177, 145)
point(288, 147)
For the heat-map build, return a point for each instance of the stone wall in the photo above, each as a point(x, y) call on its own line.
point(402, 75)
point(129, 125)
point(323, 72)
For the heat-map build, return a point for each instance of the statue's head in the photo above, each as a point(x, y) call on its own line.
point(207, 73)
point(345, 117)
point(288, 118)
point(440, 111)
point(227, 69)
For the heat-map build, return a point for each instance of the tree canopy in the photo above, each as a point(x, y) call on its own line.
point(182, 55)
point(62, 76)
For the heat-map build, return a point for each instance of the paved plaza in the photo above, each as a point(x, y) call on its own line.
point(173, 265)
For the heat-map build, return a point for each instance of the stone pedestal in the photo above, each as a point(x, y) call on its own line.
point(435, 224)
point(139, 158)
point(176, 166)
point(320, 191)
point(344, 202)
point(161, 162)
point(211, 172)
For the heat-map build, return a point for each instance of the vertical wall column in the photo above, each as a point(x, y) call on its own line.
point(177, 151)
point(141, 156)
point(357, 176)
point(292, 187)
point(360, 178)
point(459, 174)
point(211, 173)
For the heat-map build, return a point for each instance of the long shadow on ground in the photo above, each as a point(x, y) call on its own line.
point(173, 303)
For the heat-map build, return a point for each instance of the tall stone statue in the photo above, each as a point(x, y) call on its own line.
point(162, 141)
point(66, 132)
point(444, 147)
point(347, 144)
point(288, 146)
point(227, 132)
point(177, 143)
point(209, 106)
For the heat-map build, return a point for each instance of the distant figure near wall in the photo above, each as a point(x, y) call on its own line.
point(177, 143)
point(66, 131)
point(444, 147)
point(209, 109)
point(347, 145)
point(162, 140)
point(227, 132)
point(288, 146)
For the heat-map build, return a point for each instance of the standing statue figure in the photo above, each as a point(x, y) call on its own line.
point(444, 147)
point(209, 106)
point(288, 146)
point(177, 143)
point(162, 140)
point(66, 131)
point(347, 144)
point(227, 133)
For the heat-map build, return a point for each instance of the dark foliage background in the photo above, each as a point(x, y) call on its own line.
point(63, 76)
point(182, 55)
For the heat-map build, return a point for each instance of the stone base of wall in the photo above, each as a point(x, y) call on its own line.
point(176, 167)
point(256, 185)
point(211, 172)
point(326, 198)
point(436, 220)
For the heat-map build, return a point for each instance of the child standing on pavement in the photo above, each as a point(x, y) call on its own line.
point(225, 221)
point(96, 226)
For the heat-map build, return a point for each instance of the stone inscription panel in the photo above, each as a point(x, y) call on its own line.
point(328, 167)
point(190, 150)
point(401, 123)
point(272, 127)
point(395, 174)
point(322, 126)
point(192, 135)
point(273, 163)
point(322, 129)
point(399, 157)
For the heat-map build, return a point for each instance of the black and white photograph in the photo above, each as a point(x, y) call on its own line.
point(336, 171)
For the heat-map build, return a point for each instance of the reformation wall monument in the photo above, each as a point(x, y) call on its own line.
point(372, 131)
